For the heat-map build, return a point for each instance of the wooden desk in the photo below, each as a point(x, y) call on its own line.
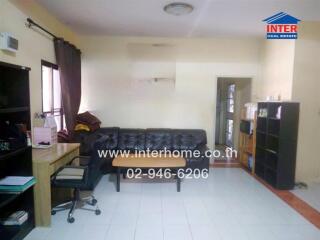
point(45, 163)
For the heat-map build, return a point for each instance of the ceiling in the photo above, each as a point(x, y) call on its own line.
point(210, 18)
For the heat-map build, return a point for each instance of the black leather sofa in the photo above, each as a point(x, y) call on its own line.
point(142, 139)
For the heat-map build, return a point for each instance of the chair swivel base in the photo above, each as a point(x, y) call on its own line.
point(77, 203)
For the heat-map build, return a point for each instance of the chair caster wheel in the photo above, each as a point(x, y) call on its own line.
point(71, 220)
point(97, 212)
point(94, 202)
point(53, 212)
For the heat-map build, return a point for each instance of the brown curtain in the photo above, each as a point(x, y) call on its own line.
point(69, 62)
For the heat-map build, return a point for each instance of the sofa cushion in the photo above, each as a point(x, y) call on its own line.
point(188, 139)
point(158, 139)
point(131, 139)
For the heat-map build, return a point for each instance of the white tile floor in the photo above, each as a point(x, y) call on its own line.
point(229, 205)
point(311, 195)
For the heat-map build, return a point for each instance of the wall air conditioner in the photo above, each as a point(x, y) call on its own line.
point(8, 42)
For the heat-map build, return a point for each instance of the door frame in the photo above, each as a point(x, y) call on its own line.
point(216, 79)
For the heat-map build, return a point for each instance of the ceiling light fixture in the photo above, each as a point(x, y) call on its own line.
point(178, 8)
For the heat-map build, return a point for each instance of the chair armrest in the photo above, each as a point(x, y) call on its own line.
point(87, 158)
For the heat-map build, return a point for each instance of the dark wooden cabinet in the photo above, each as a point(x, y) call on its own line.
point(15, 109)
point(276, 147)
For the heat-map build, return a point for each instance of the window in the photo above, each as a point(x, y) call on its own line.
point(230, 98)
point(230, 114)
point(51, 93)
point(229, 132)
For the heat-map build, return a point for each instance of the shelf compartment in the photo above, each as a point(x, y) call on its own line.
point(259, 170)
point(5, 155)
point(23, 202)
point(6, 199)
point(272, 144)
point(274, 127)
point(260, 156)
point(262, 124)
point(271, 161)
point(16, 232)
point(273, 109)
point(261, 139)
point(271, 176)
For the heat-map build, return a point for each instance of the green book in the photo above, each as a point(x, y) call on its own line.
point(17, 188)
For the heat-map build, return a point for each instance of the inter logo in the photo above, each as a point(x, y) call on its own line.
point(282, 26)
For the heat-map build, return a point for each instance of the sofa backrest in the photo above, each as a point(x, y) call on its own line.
point(188, 139)
point(131, 139)
point(158, 139)
point(151, 138)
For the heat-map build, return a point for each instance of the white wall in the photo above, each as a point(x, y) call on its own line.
point(306, 88)
point(111, 93)
point(33, 46)
point(277, 69)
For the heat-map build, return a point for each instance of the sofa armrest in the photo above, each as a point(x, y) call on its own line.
point(100, 142)
point(203, 149)
point(199, 160)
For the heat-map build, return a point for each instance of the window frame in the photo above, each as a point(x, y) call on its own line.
point(53, 110)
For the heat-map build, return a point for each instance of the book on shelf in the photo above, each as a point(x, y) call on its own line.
point(16, 184)
point(16, 218)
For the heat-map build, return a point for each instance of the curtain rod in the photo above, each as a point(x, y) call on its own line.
point(32, 23)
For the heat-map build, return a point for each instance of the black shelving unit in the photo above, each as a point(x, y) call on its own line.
point(15, 108)
point(276, 144)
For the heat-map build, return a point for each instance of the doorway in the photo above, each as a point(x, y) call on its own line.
point(232, 94)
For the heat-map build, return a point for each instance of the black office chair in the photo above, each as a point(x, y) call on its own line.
point(79, 178)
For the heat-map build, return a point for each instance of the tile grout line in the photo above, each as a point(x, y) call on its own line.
point(189, 225)
point(112, 215)
point(138, 214)
point(162, 217)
